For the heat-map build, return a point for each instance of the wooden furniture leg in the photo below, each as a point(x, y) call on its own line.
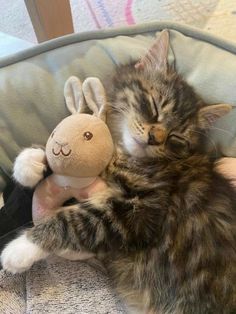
point(50, 18)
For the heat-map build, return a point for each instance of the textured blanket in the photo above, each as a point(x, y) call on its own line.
point(59, 286)
point(216, 16)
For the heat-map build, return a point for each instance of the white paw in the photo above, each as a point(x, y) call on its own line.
point(29, 167)
point(20, 254)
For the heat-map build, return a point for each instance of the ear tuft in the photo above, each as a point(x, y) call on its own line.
point(95, 96)
point(157, 56)
point(210, 114)
point(73, 95)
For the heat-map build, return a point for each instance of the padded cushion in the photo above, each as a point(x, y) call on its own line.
point(31, 82)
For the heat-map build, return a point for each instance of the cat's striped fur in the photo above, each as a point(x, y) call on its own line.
point(166, 226)
point(168, 231)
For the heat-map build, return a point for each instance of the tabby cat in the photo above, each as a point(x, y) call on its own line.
point(166, 226)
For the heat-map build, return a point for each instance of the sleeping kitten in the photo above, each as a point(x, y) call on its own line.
point(166, 227)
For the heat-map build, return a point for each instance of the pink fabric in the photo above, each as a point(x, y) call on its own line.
point(128, 13)
point(48, 196)
point(107, 13)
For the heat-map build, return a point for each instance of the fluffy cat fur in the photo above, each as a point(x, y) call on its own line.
point(166, 227)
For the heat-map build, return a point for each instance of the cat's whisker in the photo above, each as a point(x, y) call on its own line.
point(138, 127)
point(182, 162)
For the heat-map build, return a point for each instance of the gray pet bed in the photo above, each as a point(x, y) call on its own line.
point(31, 104)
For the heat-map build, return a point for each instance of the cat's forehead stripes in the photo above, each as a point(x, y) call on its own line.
point(137, 96)
point(130, 95)
point(165, 98)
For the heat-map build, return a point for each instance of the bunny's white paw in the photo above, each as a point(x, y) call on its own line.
point(29, 166)
point(20, 254)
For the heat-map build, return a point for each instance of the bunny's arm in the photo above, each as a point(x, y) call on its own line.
point(29, 166)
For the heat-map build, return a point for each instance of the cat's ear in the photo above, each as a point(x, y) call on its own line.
point(74, 96)
point(95, 96)
point(157, 56)
point(208, 115)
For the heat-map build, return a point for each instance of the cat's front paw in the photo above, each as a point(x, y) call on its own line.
point(20, 254)
point(29, 167)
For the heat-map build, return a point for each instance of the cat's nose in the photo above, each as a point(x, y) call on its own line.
point(156, 135)
point(151, 139)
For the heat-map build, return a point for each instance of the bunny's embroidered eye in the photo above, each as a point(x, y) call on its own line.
point(88, 135)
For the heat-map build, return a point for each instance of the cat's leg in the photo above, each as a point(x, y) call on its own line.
point(90, 225)
point(78, 227)
point(75, 255)
point(29, 167)
point(52, 236)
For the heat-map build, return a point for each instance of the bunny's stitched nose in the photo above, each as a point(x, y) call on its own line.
point(61, 144)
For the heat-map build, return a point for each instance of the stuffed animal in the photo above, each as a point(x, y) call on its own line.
point(77, 151)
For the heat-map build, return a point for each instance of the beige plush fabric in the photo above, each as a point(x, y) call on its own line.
point(12, 294)
point(59, 286)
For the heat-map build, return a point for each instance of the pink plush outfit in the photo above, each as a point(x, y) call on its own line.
point(53, 191)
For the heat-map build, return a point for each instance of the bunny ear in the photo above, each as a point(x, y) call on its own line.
point(74, 96)
point(95, 96)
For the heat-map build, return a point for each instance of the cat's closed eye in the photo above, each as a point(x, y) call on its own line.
point(177, 144)
point(149, 109)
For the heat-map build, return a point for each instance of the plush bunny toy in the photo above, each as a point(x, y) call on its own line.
point(77, 151)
